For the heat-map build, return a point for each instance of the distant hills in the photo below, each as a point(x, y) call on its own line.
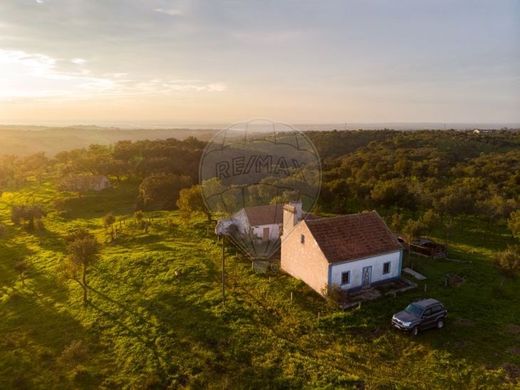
point(29, 139)
point(24, 140)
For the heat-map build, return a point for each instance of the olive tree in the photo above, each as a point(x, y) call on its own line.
point(83, 252)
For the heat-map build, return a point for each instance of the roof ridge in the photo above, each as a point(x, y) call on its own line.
point(344, 215)
point(263, 205)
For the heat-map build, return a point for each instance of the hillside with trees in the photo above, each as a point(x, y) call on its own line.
point(120, 287)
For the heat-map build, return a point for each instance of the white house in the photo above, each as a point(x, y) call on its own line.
point(349, 251)
point(83, 183)
point(259, 222)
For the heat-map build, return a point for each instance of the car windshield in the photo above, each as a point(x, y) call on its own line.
point(413, 309)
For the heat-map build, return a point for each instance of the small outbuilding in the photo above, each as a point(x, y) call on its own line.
point(84, 183)
point(426, 247)
point(258, 222)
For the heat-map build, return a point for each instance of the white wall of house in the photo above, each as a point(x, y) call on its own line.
point(240, 219)
point(302, 258)
point(100, 183)
point(274, 231)
point(356, 270)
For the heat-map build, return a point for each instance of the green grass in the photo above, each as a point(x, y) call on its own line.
point(156, 318)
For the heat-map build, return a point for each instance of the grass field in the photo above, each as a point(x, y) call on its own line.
point(155, 317)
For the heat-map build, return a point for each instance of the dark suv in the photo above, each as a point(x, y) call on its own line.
point(420, 315)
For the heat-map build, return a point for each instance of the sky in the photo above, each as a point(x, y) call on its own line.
point(122, 61)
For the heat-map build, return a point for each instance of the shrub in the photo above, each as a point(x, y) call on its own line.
point(509, 260)
point(31, 215)
point(513, 223)
point(73, 354)
point(335, 295)
point(109, 220)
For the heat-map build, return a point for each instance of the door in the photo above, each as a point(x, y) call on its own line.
point(265, 235)
point(367, 276)
point(431, 316)
point(428, 319)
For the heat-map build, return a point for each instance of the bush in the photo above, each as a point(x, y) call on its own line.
point(73, 354)
point(109, 220)
point(160, 192)
point(335, 295)
point(31, 215)
point(513, 223)
point(509, 260)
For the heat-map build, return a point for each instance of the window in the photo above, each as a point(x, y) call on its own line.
point(414, 309)
point(427, 313)
point(386, 268)
point(436, 308)
point(302, 239)
point(345, 277)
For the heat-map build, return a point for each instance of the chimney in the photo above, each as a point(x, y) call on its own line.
point(292, 214)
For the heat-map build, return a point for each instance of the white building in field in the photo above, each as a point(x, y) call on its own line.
point(84, 183)
point(349, 251)
point(258, 222)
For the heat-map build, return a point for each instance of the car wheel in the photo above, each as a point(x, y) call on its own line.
point(415, 331)
point(440, 324)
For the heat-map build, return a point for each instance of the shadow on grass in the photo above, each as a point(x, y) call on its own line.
point(119, 200)
point(477, 311)
point(10, 254)
point(50, 240)
point(44, 323)
point(190, 320)
point(124, 308)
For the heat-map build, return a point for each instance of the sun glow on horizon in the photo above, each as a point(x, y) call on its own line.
point(299, 62)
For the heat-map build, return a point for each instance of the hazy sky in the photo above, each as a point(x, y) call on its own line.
point(93, 61)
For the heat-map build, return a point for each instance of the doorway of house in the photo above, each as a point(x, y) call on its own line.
point(367, 276)
point(265, 236)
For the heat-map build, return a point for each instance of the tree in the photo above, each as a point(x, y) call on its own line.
point(430, 220)
point(513, 223)
point(396, 222)
point(35, 165)
point(497, 207)
point(22, 267)
point(392, 193)
point(139, 218)
point(108, 222)
point(31, 215)
point(162, 191)
point(190, 201)
point(509, 260)
point(83, 250)
point(413, 229)
point(455, 201)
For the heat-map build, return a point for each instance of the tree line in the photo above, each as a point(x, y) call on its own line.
point(419, 180)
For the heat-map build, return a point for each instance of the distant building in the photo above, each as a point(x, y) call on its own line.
point(482, 131)
point(348, 251)
point(84, 183)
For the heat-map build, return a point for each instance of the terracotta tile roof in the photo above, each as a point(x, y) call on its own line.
point(354, 236)
point(264, 215)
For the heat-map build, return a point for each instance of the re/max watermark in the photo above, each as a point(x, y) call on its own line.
point(256, 163)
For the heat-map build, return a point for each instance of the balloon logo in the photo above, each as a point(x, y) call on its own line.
point(249, 172)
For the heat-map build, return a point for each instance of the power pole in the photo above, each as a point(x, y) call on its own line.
point(223, 271)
